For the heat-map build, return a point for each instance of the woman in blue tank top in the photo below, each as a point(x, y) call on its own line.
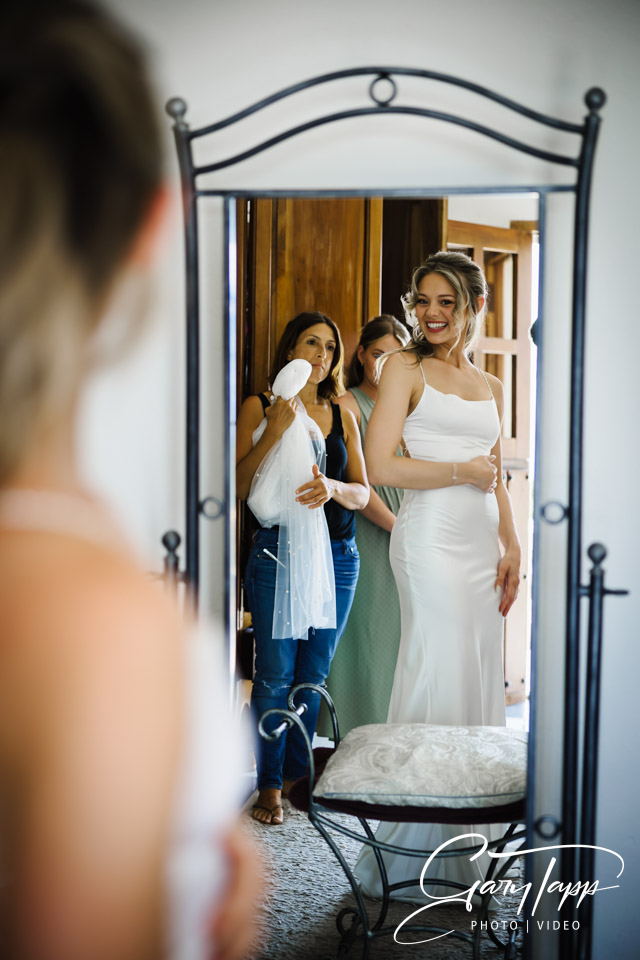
point(281, 664)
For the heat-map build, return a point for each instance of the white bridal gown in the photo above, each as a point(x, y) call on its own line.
point(444, 554)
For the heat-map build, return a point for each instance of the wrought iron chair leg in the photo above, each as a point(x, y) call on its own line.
point(383, 876)
point(348, 936)
point(509, 946)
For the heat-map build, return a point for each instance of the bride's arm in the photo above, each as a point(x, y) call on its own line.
point(399, 391)
point(376, 510)
point(508, 576)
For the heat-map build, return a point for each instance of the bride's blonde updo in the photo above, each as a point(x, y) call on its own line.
point(80, 162)
point(469, 284)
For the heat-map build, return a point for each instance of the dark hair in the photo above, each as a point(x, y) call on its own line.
point(375, 329)
point(74, 92)
point(80, 162)
point(333, 385)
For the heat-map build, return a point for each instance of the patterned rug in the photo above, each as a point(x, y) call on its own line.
point(307, 889)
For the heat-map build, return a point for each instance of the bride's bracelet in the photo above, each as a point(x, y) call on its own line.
point(455, 475)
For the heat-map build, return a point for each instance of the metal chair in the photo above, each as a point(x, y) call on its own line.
point(362, 927)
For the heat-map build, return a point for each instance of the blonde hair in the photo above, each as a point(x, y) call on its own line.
point(80, 163)
point(469, 284)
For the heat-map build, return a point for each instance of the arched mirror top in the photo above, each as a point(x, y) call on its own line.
point(384, 98)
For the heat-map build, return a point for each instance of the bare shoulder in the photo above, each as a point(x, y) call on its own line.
point(348, 417)
point(402, 360)
point(400, 385)
point(401, 370)
point(349, 422)
point(98, 627)
point(250, 416)
point(496, 385)
point(251, 410)
point(94, 604)
point(498, 392)
point(117, 598)
point(348, 402)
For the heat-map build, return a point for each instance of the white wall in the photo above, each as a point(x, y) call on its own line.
point(221, 56)
point(492, 210)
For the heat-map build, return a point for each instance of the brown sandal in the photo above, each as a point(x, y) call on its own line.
point(271, 811)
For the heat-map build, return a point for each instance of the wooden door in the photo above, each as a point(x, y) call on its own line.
point(504, 350)
point(304, 254)
point(298, 254)
point(412, 229)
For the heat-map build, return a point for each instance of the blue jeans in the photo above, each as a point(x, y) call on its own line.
point(281, 664)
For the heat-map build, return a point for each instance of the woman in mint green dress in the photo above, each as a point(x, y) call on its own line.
point(362, 669)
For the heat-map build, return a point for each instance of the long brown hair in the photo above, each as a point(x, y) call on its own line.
point(375, 329)
point(333, 384)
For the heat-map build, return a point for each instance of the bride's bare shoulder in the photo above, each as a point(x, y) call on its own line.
point(94, 604)
point(495, 384)
point(402, 361)
point(405, 357)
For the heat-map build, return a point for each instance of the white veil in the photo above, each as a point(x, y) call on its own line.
point(305, 588)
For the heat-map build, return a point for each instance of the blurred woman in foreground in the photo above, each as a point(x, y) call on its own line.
point(104, 805)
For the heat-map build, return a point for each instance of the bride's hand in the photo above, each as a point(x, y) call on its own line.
point(317, 491)
point(508, 580)
point(481, 472)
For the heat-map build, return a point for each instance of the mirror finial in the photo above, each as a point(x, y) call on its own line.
point(171, 540)
point(595, 99)
point(176, 107)
point(597, 552)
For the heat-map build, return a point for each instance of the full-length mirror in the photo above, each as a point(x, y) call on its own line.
point(417, 611)
point(454, 407)
point(351, 259)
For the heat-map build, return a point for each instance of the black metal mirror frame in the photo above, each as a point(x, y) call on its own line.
point(578, 808)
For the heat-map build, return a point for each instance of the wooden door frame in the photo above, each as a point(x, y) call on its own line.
point(516, 450)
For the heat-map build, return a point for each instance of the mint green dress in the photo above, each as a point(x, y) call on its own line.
point(362, 669)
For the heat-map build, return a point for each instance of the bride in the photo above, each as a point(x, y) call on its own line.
point(454, 582)
point(116, 840)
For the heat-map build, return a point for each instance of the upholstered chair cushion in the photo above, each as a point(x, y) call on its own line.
point(423, 765)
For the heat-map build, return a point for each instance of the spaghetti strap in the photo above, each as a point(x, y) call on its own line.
point(487, 382)
point(424, 379)
point(336, 425)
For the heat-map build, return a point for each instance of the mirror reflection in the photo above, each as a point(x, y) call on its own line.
point(427, 412)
